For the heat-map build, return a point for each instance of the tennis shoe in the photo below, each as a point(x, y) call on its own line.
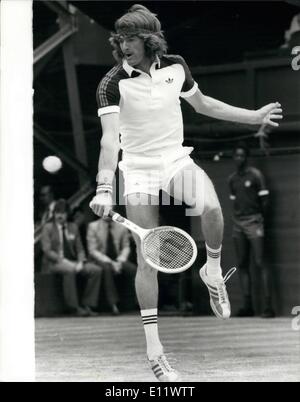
point(219, 300)
point(163, 370)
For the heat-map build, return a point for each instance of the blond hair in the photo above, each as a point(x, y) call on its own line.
point(140, 22)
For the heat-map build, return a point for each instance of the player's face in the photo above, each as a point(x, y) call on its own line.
point(134, 50)
point(240, 158)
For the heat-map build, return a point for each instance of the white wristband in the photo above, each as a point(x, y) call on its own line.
point(104, 188)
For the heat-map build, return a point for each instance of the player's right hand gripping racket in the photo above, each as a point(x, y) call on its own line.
point(165, 248)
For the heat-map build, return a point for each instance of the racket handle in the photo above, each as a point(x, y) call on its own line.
point(128, 224)
point(116, 217)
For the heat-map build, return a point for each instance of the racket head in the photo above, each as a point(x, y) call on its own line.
point(169, 249)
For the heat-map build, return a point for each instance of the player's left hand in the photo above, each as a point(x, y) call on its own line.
point(267, 114)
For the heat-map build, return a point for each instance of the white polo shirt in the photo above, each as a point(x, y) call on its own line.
point(149, 105)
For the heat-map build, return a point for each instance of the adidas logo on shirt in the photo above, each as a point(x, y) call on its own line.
point(169, 80)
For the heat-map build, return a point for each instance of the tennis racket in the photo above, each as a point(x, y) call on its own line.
point(165, 248)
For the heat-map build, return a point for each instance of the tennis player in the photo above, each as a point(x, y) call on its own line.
point(139, 107)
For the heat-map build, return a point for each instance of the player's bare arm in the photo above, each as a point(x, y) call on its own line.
point(208, 106)
point(108, 160)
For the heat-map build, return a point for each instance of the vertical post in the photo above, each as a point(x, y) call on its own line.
point(74, 102)
point(16, 194)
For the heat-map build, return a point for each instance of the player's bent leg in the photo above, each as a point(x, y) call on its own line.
point(211, 272)
point(192, 186)
point(146, 216)
point(146, 283)
point(198, 192)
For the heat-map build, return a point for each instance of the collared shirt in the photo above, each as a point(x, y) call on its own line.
point(149, 105)
point(246, 190)
point(97, 236)
point(64, 236)
point(106, 228)
point(115, 233)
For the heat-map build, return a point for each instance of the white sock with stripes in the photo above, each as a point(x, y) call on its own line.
point(213, 263)
point(154, 347)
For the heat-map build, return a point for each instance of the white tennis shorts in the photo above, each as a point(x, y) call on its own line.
point(153, 172)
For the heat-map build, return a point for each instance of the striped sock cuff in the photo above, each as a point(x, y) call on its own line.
point(149, 316)
point(104, 188)
point(213, 253)
point(152, 319)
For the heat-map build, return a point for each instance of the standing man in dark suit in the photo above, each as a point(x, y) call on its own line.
point(250, 195)
point(64, 253)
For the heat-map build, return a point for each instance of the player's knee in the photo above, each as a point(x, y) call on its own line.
point(146, 274)
point(214, 211)
point(144, 269)
point(212, 203)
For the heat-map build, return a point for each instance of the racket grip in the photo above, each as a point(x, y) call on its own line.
point(115, 216)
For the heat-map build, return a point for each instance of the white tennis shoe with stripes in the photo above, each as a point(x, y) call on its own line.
point(219, 300)
point(163, 370)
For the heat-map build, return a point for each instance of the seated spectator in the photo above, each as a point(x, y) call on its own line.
point(109, 246)
point(64, 254)
point(43, 214)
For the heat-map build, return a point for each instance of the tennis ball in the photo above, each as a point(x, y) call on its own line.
point(52, 164)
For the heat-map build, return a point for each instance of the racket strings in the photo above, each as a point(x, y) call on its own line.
point(169, 249)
